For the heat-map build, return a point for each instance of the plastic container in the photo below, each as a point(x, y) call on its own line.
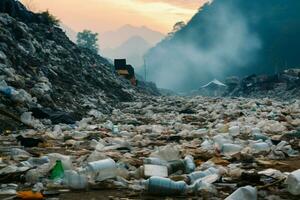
point(260, 147)
point(165, 186)
point(75, 181)
point(244, 193)
point(293, 182)
point(234, 130)
point(155, 170)
point(102, 169)
point(189, 164)
point(193, 177)
point(231, 149)
point(35, 162)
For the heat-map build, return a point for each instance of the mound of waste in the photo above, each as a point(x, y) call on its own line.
point(44, 74)
point(187, 148)
point(284, 85)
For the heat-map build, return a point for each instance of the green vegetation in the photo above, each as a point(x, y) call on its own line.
point(88, 39)
point(50, 19)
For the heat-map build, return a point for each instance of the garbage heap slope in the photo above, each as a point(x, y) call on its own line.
point(41, 67)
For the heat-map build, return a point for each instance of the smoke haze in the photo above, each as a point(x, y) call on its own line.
point(229, 43)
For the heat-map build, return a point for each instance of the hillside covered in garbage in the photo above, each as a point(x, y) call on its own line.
point(43, 72)
point(71, 128)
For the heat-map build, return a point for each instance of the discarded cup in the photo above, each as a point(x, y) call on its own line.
point(102, 169)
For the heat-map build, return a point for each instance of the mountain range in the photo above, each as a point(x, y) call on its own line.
point(129, 42)
point(228, 37)
point(113, 39)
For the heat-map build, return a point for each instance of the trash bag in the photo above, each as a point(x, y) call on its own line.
point(56, 117)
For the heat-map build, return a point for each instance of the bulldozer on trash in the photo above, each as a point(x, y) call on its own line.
point(126, 71)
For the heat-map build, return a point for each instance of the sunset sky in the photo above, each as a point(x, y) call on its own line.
point(106, 15)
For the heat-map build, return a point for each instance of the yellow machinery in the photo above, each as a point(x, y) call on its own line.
point(124, 70)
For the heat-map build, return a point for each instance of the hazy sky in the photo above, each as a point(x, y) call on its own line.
point(104, 15)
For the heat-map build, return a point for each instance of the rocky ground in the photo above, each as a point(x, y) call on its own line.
point(240, 141)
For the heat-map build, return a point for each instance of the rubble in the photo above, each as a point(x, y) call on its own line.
point(281, 86)
point(42, 72)
point(237, 150)
point(69, 124)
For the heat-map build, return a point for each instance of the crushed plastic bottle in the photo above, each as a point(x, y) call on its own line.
point(293, 182)
point(230, 149)
point(189, 164)
point(193, 177)
point(244, 193)
point(260, 147)
point(35, 162)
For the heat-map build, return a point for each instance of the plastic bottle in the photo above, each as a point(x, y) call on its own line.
point(115, 129)
point(231, 148)
point(165, 186)
point(35, 162)
point(261, 147)
point(201, 174)
point(74, 180)
point(102, 169)
point(293, 182)
point(57, 171)
point(189, 164)
point(244, 193)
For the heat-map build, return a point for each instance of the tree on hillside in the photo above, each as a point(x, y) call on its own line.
point(88, 39)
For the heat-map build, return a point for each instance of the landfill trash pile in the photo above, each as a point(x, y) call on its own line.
point(44, 74)
point(209, 148)
point(281, 86)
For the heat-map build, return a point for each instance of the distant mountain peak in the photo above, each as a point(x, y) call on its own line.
point(115, 38)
